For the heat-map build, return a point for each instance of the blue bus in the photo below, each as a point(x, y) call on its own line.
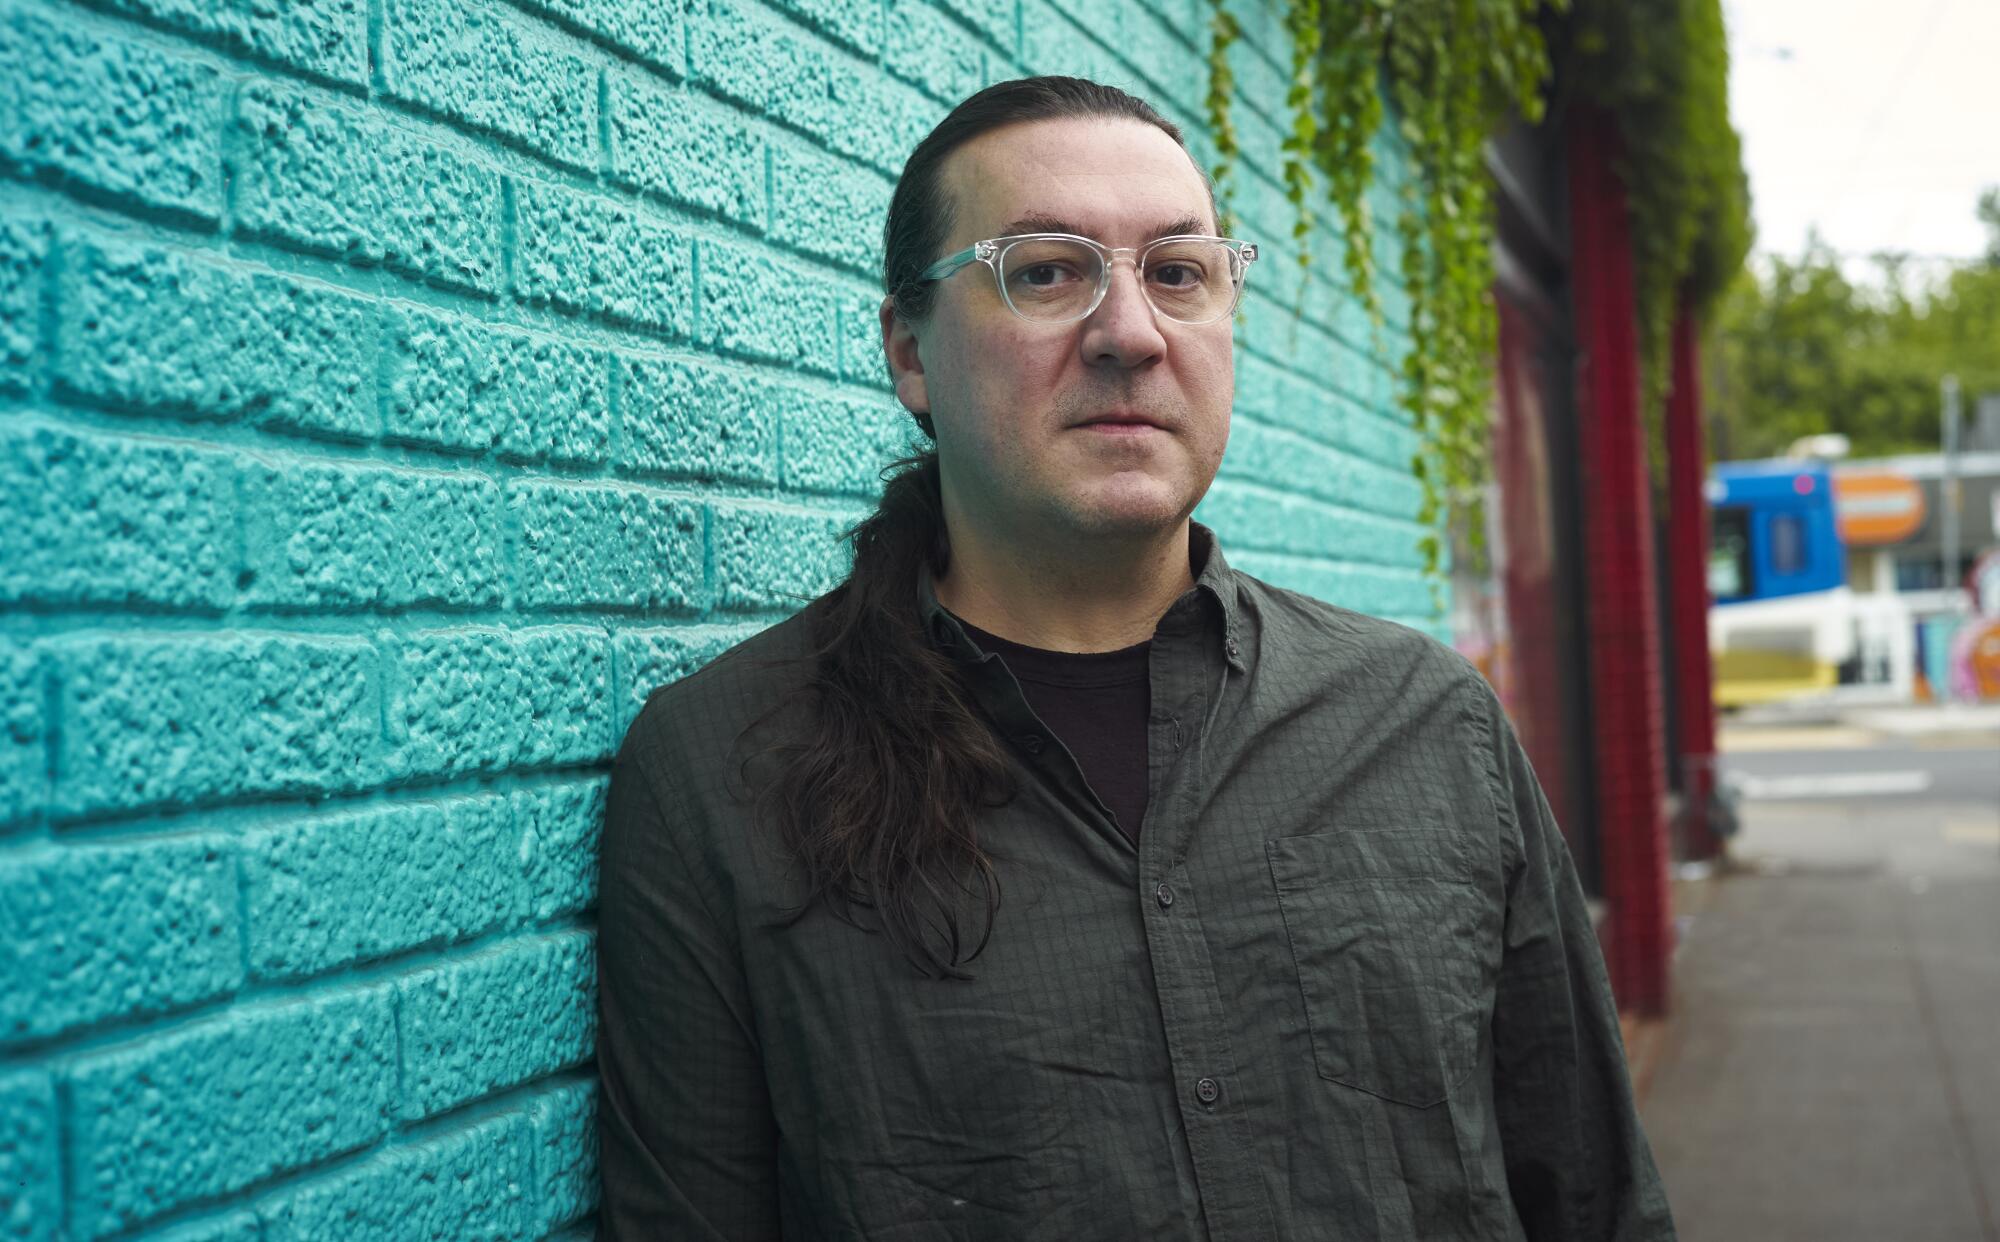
point(1784, 623)
point(1773, 531)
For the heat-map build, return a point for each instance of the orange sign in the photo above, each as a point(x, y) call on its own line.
point(1875, 509)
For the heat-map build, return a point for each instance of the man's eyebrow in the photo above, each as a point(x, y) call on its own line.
point(1037, 222)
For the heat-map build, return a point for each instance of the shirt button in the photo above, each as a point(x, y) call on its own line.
point(1031, 742)
point(1164, 894)
point(1207, 1090)
point(1231, 647)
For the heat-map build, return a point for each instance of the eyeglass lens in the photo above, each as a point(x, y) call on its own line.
point(1192, 281)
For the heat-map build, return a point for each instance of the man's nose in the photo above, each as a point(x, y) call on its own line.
point(1123, 330)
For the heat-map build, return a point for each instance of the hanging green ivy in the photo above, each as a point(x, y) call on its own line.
point(1661, 69)
point(1223, 30)
point(1451, 70)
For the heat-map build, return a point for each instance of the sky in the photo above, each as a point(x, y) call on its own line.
point(1877, 121)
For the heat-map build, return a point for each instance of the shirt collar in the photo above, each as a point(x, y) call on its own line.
point(1214, 583)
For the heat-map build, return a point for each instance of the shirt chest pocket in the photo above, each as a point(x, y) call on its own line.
point(1393, 951)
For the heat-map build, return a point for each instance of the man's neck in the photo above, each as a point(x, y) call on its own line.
point(1086, 598)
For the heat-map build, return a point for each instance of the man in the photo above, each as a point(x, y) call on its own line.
point(1050, 879)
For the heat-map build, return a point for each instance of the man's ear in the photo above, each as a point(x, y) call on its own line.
point(906, 368)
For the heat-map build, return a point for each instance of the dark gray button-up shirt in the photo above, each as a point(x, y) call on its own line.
point(1343, 987)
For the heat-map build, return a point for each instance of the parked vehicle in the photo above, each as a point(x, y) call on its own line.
point(1785, 622)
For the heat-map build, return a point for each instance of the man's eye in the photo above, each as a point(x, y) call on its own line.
point(1177, 275)
point(1046, 274)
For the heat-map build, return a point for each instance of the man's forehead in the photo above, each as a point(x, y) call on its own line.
point(1112, 178)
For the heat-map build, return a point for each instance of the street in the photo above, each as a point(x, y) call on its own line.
point(1831, 1067)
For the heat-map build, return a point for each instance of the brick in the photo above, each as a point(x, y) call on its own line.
point(607, 545)
point(240, 1226)
point(479, 699)
point(558, 830)
point(592, 256)
point(995, 19)
point(24, 245)
point(564, 1132)
point(1190, 17)
point(327, 891)
point(124, 119)
point(160, 720)
point(653, 34)
point(691, 420)
point(758, 307)
point(1260, 139)
point(1385, 490)
point(24, 733)
point(1275, 521)
point(1260, 62)
point(330, 179)
point(453, 382)
point(930, 51)
point(1384, 441)
point(838, 445)
point(496, 1019)
point(1375, 590)
point(324, 37)
point(1270, 330)
point(332, 535)
point(859, 26)
point(829, 207)
point(763, 65)
point(98, 932)
point(860, 339)
point(768, 558)
point(473, 1183)
point(672, 143)
point(494, 70)
point(152, 328)
point(31, 1207)
point(1302, 408)
point(211, 1108)
point(1050, 44)
point(651, 658)
point(100, 519)
point(1283, 459)
point(1257, 384)
point(1329, 303)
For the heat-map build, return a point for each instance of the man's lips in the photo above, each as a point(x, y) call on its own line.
point(1121, 421)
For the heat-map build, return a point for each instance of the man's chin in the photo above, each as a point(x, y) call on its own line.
point(1131, 514)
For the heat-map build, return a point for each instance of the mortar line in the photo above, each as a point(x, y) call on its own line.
point(44, 365)
point(377, 19)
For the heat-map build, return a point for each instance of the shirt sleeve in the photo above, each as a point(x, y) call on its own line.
point(1578, 1165)
point(686, 1135)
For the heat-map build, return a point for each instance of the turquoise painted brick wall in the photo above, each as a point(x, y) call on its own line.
point(392, 393)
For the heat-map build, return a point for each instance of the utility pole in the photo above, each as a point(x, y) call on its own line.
point(1948, 490)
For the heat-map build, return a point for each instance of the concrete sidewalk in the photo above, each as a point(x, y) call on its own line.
point(1831, 1069)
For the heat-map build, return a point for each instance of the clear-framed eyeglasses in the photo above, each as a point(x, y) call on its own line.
point(1060, 278)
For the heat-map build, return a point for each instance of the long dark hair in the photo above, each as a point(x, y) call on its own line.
point(878, 802)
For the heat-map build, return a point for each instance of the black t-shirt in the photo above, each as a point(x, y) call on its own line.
point(1095, 702)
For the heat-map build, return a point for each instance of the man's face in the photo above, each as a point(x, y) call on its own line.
point(1018, 407)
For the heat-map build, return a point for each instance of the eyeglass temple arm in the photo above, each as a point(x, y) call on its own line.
point(952, 262)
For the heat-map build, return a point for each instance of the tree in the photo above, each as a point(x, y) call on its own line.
point(1799, 349)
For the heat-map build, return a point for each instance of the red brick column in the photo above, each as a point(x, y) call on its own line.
point(1687, 590)
point(1622, 622)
